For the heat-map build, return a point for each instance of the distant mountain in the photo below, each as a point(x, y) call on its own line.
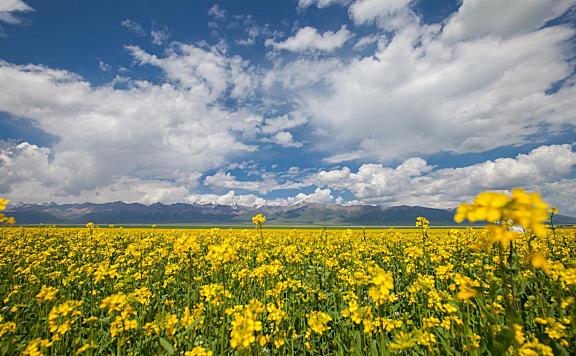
point(210, 214)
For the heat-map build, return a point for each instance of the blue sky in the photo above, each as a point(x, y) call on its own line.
point(280, 102)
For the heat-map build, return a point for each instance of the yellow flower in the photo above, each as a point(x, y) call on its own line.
point(537, 260)
point(59, 322)
point(520, 208)
point(4, 218)
point(198, 351)
point(423, 222)
point(142, 295)
point(47, 294)
point(214, 293)
point(243, 329)
point(122, 323)
point(85, 348)
point(383, 283)
point(258, 219)
point(36, 347)
point(170, 324)
point(7, 327)
point(151, 329)
point(403, 341)
point(3, 203)
point(568, 276)
point(115, 302)
point(317, 321)
point(466, 293)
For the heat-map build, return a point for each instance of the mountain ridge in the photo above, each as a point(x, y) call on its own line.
point(119, 212)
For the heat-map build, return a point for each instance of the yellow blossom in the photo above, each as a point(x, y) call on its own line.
point(318, 322)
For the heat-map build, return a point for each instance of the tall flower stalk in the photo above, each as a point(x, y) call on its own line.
point(259, 220)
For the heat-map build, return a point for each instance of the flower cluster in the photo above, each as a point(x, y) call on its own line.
point(520, 208)
point(4, 218)
point(258, 219)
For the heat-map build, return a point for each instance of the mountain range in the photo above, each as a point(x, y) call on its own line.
point(216, 215)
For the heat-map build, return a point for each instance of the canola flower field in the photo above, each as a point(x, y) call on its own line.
point(509, 288)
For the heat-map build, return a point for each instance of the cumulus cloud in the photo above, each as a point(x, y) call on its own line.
point(309, 39)
point(322, 196)
point(280, 123)
point(418, 94)
point(415, 182)
point(207, 72)
point(269, 182)
point(285, 139)
point(9, 9)
point(423, 87)
point(387, 14)
point(108, 134)
point(475, 18)
point(229, 198)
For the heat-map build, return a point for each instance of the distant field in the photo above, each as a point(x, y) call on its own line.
point(251, 227)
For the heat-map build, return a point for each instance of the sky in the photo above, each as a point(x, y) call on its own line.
point(389, 102)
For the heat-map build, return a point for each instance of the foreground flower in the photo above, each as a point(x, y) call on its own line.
point(198, 351)
point(258, 219)
point(4, 218)
point(523, 209)
point(318, 322)
point(383, 283)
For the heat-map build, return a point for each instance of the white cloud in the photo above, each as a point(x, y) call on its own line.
point(206, 72)
point(254, 31)
point(366, 41)
point(309, 39)
point(374, 181)
point(133, 26)
point(388, 14)
point(419, 94)
point(285, 139)
point(151, 133)
point(414, 182)
point(280, 123)
point(274, 130)
point(301, 75)
point(561, 194)
point(104, 66)
point(268, 183)
point(160, 35)
point(8, 9)
point(217, 12)
point(322, 196)
point(303, 4)
point(229, 198)
point(475, 18)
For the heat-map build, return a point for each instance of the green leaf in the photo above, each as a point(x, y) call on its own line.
point(167, 346)
point(501, 341)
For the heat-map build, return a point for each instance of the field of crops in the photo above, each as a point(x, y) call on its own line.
point(131, 291)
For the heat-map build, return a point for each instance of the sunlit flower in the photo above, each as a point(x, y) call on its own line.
point(318, 322)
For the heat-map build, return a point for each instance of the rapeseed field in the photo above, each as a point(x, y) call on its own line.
point(508, 288)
